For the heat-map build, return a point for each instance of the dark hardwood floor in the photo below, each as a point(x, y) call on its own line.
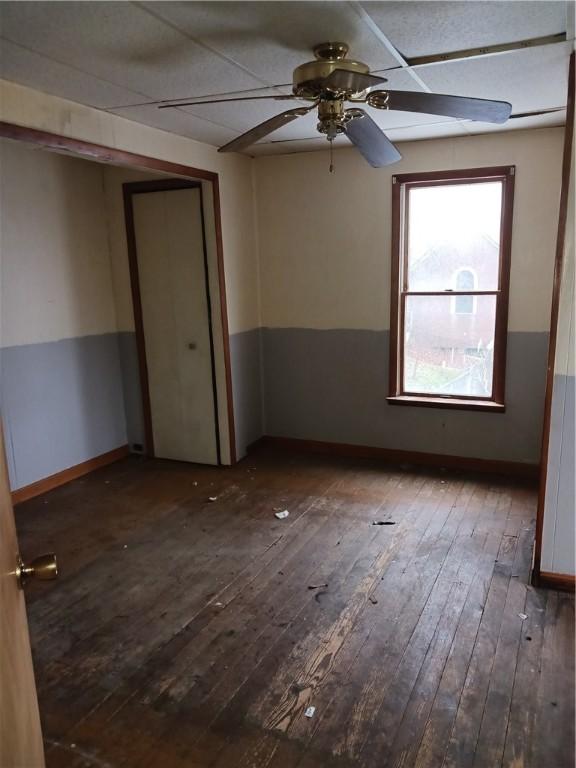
point(185, 633)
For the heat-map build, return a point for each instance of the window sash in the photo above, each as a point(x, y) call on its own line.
point(408, 186)
point(402, 391)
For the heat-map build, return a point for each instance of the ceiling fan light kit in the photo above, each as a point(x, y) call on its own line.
point(331, 80)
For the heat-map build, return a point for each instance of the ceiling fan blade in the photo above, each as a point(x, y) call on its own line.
point(344, 80)
point(538, 113)
point(263, 129)
point(368, 138)
point(484, 110)
point(278, 97)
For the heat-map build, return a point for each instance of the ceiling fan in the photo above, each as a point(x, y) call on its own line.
point(332, 80)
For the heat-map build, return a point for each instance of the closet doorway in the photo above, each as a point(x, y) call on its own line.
point(173, 318)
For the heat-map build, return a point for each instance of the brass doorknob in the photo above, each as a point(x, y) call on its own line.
point(44, 567)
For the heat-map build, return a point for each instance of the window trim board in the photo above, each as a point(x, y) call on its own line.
point(459, 403)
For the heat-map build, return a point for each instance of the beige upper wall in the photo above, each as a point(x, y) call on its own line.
point(30, 108)
point(325, 238)
point(55, 272)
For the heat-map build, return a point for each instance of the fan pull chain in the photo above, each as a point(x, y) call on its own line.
point(331, 156)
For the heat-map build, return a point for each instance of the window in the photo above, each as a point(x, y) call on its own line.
point(450, 276)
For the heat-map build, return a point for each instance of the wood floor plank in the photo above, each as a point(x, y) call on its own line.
point(491, 739)
point(462, 745)
point(446, 700)
point(405, 708)
point(522, 720)
point(553, 736)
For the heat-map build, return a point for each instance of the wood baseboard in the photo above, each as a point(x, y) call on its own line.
point(66, 475)
point(492, 466)
point(565, 582)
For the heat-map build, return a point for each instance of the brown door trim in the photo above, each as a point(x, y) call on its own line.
point(101, 153)
point(558, 265)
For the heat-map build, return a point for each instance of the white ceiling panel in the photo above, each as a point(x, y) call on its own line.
point(272, 38)
point(302, 128)
point(389, 119)
point(37, 71)
point(424, 28)
point(524, 123)
point(123, 44)
point(242, 115)
point(530, 79)
point(400, 80)
point(176, 121)
point(288, 147)
point(431, 130)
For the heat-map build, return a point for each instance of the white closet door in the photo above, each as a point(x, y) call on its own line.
point(170, 250)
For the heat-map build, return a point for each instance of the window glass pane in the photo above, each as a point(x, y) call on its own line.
point(454, 235)
point(465, 280)
point(446, 353)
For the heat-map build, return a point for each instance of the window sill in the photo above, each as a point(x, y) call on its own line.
point(445, 402)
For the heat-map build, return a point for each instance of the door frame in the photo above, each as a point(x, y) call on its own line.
point(104, 154)
point(129, 189)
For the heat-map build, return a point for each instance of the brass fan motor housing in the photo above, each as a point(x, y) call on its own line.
point(331, 117)
point(307, 78)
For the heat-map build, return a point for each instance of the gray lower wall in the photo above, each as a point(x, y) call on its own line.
point(332, 385)
point(131, 389)
point(61, 404)
point(558, 550)
point(246, 364)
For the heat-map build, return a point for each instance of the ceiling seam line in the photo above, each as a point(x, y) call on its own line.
point(205, 96)
point(200, 43)
point(411, 65)
point(387, 43)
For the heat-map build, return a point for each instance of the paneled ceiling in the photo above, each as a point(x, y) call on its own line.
point(119, 56)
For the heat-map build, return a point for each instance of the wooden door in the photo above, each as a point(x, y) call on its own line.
point(20, 734)
point(174, 298)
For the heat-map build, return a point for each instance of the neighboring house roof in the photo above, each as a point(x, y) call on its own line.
point(467, 253)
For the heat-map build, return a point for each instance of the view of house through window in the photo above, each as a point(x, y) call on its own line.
point(449, 287)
